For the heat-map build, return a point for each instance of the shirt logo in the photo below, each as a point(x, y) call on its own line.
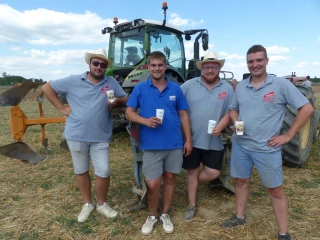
point(269, 97)
point(222, 96)
point(104, 90)
point(172, 98)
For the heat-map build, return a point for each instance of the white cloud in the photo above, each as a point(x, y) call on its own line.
point(176, 20)
point(296, 49)
point(16, 49)
point(277, 59)
point(230, 56)
point(47, 27)
point(277, 50)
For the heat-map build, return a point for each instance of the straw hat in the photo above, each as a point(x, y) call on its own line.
point(210, 57)
point(99, 53)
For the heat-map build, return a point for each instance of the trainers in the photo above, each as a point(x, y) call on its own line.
point(189, 213)
point(148, 225)
point(85, 212)
point(284, 237)
point(233, 221)
point(166, 223)
point(106, 210)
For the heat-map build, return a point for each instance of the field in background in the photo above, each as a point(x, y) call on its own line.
point(43, 201)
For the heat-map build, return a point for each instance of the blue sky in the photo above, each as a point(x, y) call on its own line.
point(48, 39)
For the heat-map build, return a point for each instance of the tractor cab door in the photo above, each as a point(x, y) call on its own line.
point(171, 44)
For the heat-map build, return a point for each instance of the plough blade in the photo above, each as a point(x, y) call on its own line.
point(14, 96)
point(21, 151)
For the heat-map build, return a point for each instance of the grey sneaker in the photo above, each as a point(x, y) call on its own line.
point(284, 237)
point(107, 211)
point(166, 223)
point(190, 213)
point(85, 212)
point(148, 225)
point(233, 221)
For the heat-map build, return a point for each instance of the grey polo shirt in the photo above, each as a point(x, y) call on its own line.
point(90, 119)
point(263, 110)
point(205, 105)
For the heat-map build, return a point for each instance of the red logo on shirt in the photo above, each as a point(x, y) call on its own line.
point(222, 96)
point(104, 90)
point(269, 97)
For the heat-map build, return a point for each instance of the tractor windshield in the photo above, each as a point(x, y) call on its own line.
point(171, 45)
point(127, 47)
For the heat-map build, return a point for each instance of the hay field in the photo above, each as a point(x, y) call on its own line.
point(43, 201)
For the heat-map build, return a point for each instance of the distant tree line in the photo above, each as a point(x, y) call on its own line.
point(315, 80)
point(7, 79)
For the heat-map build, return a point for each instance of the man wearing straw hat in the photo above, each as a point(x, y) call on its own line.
point(88, 127)
point(208, 98)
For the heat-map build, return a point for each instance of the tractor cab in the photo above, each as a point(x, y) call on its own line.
point(131, 42)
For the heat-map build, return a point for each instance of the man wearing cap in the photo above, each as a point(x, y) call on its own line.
point(208, 98)
point(260, 102)
point(88, 129)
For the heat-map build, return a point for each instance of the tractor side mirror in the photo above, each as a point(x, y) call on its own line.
point(187, 37)
point(205, 41)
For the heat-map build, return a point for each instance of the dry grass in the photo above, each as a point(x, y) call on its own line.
point(43, 201)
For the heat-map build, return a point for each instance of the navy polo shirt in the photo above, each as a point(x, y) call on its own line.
point(148, 98)
point(263, 110)
point(90, 119)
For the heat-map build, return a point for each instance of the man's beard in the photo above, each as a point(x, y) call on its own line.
point(210, 78)
point(97, 77)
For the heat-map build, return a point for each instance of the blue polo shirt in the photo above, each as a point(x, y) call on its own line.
point(205, 105)
point(148, 98)
point(90, 119)
point(263, 110)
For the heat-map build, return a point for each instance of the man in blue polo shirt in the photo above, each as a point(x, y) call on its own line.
point(160, 140)
point(260, 102)
point(209, 99)
point(88, 127)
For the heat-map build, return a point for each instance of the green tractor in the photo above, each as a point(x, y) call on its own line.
point(131, 42)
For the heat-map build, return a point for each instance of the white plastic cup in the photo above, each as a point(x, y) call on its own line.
point(110, 95)
point(239, 127)
point(211, 126)
point(160, 114)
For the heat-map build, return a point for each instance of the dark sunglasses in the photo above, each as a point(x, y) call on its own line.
point(102, 65)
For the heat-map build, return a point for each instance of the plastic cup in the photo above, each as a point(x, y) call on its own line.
point(160, 114)
point(110, 95)
point(239, 127)
point(211, 126)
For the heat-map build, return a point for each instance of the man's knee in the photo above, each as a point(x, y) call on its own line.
point(242, 182)
point(276, 192)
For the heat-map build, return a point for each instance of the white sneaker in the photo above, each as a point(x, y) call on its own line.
point(106, 210)
point(166, 223)
point(148, 225)
point(85, 212)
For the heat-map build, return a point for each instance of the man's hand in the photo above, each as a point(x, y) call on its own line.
point(187, 148)
point(112, 104)
point(152, 122)
point(277, 141)
point(216, 131)
point(66, 110)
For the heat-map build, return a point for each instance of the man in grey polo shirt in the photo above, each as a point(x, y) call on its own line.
point(88, 127)
point(260, 102)
point(208, 98)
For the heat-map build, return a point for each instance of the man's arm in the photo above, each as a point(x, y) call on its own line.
point(302, 116)
point(133, 116)
point(54, 99)
point(223, 123)
point(118, 102)
point(186, 127)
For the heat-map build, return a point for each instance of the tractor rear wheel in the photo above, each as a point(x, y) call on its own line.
point(296, 152)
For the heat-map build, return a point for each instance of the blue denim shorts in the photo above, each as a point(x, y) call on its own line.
point(268, 164)
point(99, 153)
point(155, 162)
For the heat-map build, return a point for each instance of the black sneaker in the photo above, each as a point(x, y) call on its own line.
point(284, 237)
point(233, 221)
point(189, 213)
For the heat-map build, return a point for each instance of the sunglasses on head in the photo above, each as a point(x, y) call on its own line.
point(96, 64)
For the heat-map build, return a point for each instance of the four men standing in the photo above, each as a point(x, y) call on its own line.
point(259, 101)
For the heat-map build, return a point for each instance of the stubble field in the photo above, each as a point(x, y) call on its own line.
point(43, 201)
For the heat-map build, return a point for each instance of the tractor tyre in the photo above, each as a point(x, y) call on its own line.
point(119, 124)
point(316, 135)
point(296, 152)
